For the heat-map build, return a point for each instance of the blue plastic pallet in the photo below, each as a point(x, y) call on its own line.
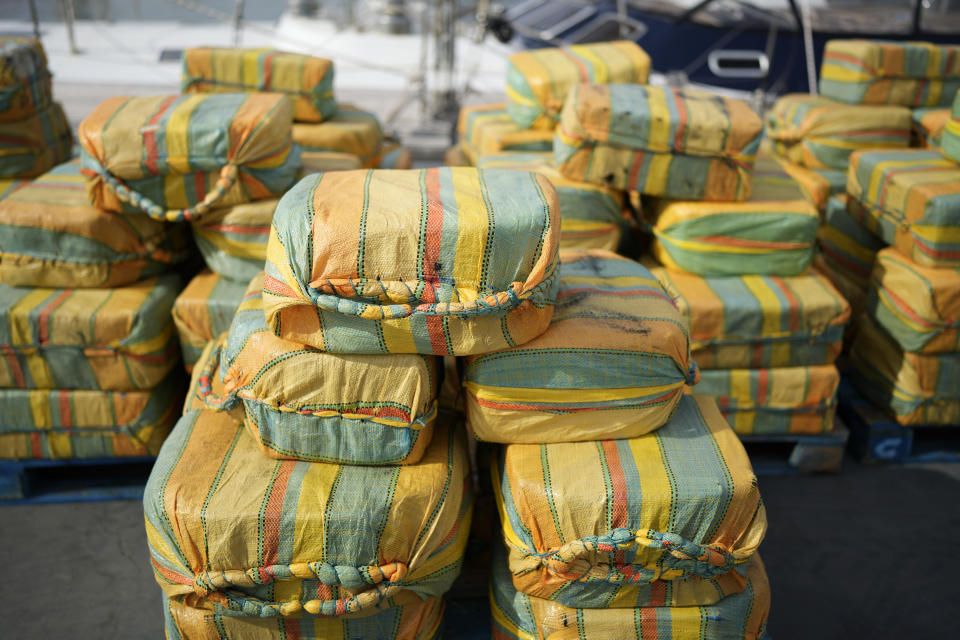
point(73, 480)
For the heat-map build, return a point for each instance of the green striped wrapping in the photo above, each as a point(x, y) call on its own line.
point(24, 79)
point(117, 339)
point(929, 124)
point(35, 144)
point(40, 423)
point(10, 185)
point(845, 243)
point(233, 240)
point(950, 142)
point(203, 311)
point(50, 236)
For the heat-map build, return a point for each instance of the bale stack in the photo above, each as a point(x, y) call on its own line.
point(34, 133)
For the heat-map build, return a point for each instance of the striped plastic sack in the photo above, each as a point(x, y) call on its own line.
point(487, 129)
point(315, 161)
point(35, 144)
point(612, 363)
point(600, 524)
point(918, 389)
point(305, 404)
point(351, 130)
point(176, 157)
point(950, 142)
point(919, 307)
point(928, 126)
point(449, 261)
point(845, 243)
point(10, 185)
point(910, 74)
point(204, 310)
point(819, 133)
point(519, 616)
point(50, 236)
point(817, 185)
point(119, 339)
point(393, 155)
point(233, 240)
point(774, 401)
point(771, 233)
point(758, 322)
point(687, 145)
point(25, 86)
point(415, 620)
point(234, 532)
point(912, 201)
point(539, 80)
point(591, 216)
point(45, 424)
point(306, 80)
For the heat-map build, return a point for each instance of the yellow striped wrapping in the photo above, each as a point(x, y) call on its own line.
point(928, 126)
point(683, 144)
point(487, 128)
point(25, 86)
point(539, 80)
point(916, 388)
point(449, 261)
point(950, 142)
point(233, 240)
point(818, 185)
point(204, 310)
point(306, 80)
point(603, 524)
point(351, 130)
point(617, 381)
point(35, 144)
point(232, 531)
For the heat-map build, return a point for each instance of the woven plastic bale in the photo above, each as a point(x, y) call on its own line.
point(10, 185)
point(50, 236)
point(911, 199)
point(35, 144)
point(233, 240)
point(950, 142)
point(305, 404)
point(53, 424)
point(632, 137)
point(771, 233)
point(919, 307)
point(176, 157)
point(306, 80)
point(487, 129)
point(518, 616)
point(818, 185)
point(602, 524)
point(204, 310)
point(845, 243)
point(820, 133)
point(910, 74)
point(233, 532)
point(446, 261)
point(350, 130)
point(753, 322)
point(591, 216)
point(539, 80)
point(928, 126)
point(916, 388)
point(780, 400)
point(393, 155)
point(612, 364)
point(25, 81)
point(119, 339)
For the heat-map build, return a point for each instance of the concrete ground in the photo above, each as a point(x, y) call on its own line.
point(870, 553)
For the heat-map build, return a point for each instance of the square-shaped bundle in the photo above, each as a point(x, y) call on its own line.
point(912, 200)
point(687, 145)
point(846, 245)
point(305, 404)
point(950, 142)
point(175, 157)
point(25, 86)
point(233, 240)
point(415, 620)
point(612, 363)
point(774, 401)
point(591, 215)
point(819, 133)
point(119, 339)
point(910, 74)
point(758, 322)
point(204, 310)
point(539, 80)
point(518, 616)
point(917, 388)
point(487, 128)
point(306, 80)
point(818, 185)
point(51, 236)
point(928, 126)
point(55, 424)
point(599, 524)
point(35, 144)
point(771, 233)
point(919, 307)
point(234, 532)
point(448, 261)
point(350, 130)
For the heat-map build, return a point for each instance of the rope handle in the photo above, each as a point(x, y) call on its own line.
point(205, 392)
point(228, 177)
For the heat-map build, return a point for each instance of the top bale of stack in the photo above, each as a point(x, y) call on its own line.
point(25, 86)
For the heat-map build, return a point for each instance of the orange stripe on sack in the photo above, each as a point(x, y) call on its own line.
point(273, 513)
point(150, 136)
point(43, 319)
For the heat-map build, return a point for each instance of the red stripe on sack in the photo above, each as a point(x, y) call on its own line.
point(889, 175)
point(170, 575)
point(276, 287)
point(794, 304)
point(757, 355)
point(150, 136)
point(274, 513)
point(618, 483)
point(682, 117)
point(581, 67)
point(842, 57)
point(744, 242)
point(433, 235)
point(908, 311)
point(438, 338)
point(267, 71)
point(763, 385)
point(324, 592)
point(635, 165)
point(43, 320)
point(200, 185)
point(554, 407)
point(291, 627)
point(66, 416)
point(18, 378)
point(36, 448)
point(943, 254)
point(648, 623)
point(645, 293)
